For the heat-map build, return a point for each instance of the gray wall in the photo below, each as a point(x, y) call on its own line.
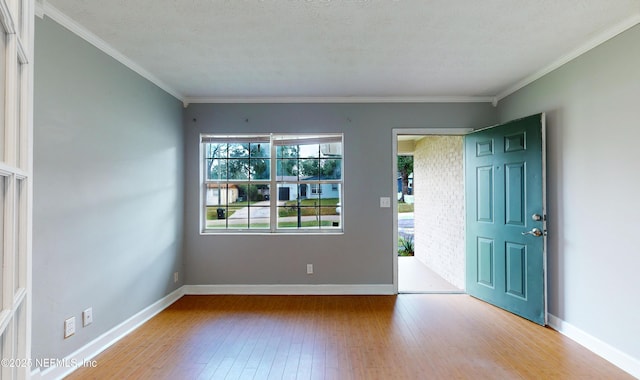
point(108, 200)
point(593, 125)
point(364, 253)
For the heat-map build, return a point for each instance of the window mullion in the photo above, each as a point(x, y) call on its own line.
point(273, 204)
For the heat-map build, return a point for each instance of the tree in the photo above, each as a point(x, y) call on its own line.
point(405, 167)
point(238, 161)
point(325, 168)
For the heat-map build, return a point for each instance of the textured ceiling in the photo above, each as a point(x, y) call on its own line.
point(346, 48)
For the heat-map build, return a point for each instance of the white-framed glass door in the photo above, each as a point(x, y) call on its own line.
point(16, 148)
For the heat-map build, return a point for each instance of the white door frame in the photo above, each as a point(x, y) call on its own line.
point(394, 173)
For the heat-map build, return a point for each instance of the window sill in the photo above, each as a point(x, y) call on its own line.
point(269, 233)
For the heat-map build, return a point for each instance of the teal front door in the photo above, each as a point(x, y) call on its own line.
point(505, 217)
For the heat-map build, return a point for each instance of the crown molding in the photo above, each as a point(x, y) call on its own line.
point(82, 32)
point(39, 8)
point(589, 45)
point(42, 7)
point(342, 99)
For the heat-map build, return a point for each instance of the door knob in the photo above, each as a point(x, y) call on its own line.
point(535, 232)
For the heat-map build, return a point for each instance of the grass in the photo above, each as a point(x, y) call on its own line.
point(309, 207)
point(291, 224)
point(405, 207)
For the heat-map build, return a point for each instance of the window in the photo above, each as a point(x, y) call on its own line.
point(272, 183)
point(316, 188)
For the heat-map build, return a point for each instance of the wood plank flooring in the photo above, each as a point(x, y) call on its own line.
point(410, 336)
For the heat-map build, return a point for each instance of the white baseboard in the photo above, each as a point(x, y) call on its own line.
point(602, 349)
point(107, 339)
point(297, 289)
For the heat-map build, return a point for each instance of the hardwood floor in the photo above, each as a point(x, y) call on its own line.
point(410, 336)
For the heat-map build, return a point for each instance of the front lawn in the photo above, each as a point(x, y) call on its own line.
point(309, 207)
point(405, 207)
point(212, 211)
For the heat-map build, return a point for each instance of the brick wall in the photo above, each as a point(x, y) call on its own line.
point(439, 206)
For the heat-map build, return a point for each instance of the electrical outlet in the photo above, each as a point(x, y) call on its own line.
point(69, 327)
point(309, 268)
point(175, 277)
point(87, 317)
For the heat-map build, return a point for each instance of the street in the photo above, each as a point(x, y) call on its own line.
point(405, 225)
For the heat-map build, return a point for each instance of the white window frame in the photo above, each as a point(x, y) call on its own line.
point(274, 140)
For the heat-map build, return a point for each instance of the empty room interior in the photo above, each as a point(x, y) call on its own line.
point(208, 189)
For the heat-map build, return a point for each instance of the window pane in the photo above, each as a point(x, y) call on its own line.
point(287, 192)
point(288, 216)
point(331, 169)
point(288, 204)
point(259, 216)
point(260, 150)
point(216, 217)
point(301, 213)
point(260, 168)
point(287, 169)
point(216, 150)
point(217, 198)
point(216, 169)
point(219, 194)
point(330, 206)
point(238, 214)
point(309, 169)
point(3, 69)
point(287, 151)
point(309, 151)
point(19, 123)
point(18, 242)
point(331, 150)
point(238, 150)
point(238, 168)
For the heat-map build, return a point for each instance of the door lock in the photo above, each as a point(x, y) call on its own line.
point(537, 217)
point(535, 232)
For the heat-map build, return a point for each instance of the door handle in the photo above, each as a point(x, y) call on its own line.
point(535, 232)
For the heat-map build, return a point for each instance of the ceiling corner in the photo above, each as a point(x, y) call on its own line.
point(82, 32)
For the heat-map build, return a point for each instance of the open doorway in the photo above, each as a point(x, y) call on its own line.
point(429, 211)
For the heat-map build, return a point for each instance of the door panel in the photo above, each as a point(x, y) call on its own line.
point(504, 188)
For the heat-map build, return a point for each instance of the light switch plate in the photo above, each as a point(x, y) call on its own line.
point(385, 202)
point(87, 317)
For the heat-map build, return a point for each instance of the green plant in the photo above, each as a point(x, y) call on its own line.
point(405, 246)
